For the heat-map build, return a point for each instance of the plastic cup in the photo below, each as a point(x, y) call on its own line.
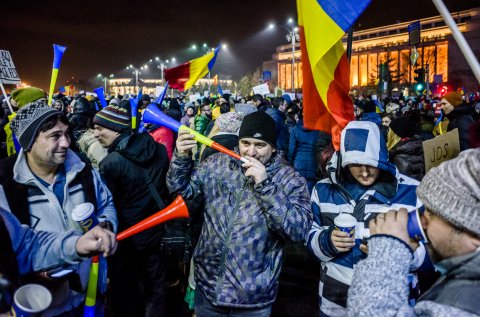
point(414, 226)
point(345, 223)
point(31, 300)
point(84, 215)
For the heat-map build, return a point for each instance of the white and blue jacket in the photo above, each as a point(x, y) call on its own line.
point(363, 144)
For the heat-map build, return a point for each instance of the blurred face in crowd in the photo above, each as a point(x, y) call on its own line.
point(282, 106)
point(50, 147)
point(364, 174)
point(446, 106)
point(58, 105)
point(386, 121)
point(444, 240)
point(257, 149)
point(104, 135)
point(190, 112)
point(206, 110)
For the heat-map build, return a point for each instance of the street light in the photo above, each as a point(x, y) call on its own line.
point(104, 78)
point(292, 37)
point(162, 65)
point(136, 72)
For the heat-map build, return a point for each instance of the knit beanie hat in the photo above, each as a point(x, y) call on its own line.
point(28, 120)
point(23, 96)
point(229, 122)
point(404, 127)
point(113, 118)
point(452, 191)
point(454, 98)
point(259, 125)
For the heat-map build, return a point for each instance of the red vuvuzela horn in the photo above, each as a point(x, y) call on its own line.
point(177, 209)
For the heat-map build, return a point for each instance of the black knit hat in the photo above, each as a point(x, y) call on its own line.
point(28, 120)
point(404, 127)
point(259, 125)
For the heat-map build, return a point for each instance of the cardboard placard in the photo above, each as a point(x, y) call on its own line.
point(261, 89)
point(440, 149)
point(8, 72)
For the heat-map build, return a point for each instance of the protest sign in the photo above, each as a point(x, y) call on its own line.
point(261, 89)
point(440, 149)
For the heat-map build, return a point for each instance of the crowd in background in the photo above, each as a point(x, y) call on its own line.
point(132, 173)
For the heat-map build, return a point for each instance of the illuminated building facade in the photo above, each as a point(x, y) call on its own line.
point(389, 45)
point(123, 86)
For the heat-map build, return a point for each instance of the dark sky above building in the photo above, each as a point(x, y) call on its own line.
point(106, 36)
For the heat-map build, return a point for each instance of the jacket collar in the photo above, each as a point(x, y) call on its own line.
point(23, 175)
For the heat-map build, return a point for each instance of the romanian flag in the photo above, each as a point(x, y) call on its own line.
point(184, 76)
point(326, 71)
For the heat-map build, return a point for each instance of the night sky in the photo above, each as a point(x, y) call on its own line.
point(106, 36)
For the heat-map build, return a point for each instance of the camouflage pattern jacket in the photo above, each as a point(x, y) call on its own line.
point(239, 254)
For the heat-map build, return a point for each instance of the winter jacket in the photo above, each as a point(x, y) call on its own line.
point(93, 149)
point(359, 145)
point(40, 250)
point(46, 214)
point(462, 118)
point(407, 155)
point(239, 254)
point(201, 122)
point(165, 136)
point(133, 160)
point(385, 272)
point(281, 128)
point(185, 120)
point(301, 152)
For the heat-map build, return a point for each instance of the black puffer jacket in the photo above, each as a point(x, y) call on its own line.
point(407, 155)
point(462, 118)
point(122, 171)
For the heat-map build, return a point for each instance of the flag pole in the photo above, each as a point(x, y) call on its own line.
point(6, 97)
point(349, 44)
point(459, 38)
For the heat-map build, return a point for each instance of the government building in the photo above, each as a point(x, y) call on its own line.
point(389, 45)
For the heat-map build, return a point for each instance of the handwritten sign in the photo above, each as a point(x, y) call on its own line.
point(261, 89)
point(440, 149)
point(8, 73)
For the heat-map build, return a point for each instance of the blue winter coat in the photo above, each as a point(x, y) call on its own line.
point(239, 253)
point(281, 128)
point(301, 152)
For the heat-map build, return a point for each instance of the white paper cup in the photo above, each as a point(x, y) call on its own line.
point(31, 300)
point(345, 223)
point(83, 214)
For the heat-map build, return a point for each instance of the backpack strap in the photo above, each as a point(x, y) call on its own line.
point(16, 193)
point(85, 177)
point(8, 258)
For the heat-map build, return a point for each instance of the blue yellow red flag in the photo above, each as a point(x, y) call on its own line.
point(326, 70)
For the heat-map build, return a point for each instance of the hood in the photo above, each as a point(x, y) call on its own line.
point(362, 143)
point(139, 148)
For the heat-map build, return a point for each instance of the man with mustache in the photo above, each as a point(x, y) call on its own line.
point(44, 182)
point(451, 196)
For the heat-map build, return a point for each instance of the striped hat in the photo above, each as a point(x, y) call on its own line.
point(113, 118)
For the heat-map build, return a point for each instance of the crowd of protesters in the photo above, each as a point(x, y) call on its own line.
point(226, 259)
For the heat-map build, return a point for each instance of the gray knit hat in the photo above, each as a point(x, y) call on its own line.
point(28, 120)
point(452, 191)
